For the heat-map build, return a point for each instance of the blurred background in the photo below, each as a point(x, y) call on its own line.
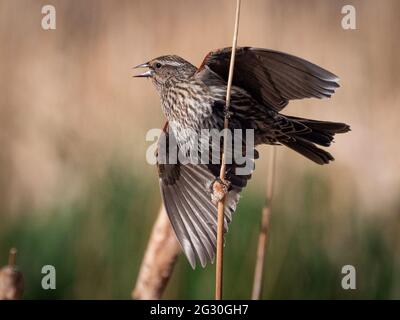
point(76, 191)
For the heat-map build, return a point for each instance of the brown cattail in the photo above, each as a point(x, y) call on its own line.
point(11, 279)
point(159, 260)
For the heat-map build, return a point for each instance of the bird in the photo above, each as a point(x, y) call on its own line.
point(194, 99)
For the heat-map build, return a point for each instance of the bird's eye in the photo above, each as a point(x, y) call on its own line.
point(158, 65)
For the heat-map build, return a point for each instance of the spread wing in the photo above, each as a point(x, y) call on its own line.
point(272, 77)
point(187, 200)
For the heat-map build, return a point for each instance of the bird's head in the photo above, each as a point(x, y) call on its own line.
point(163, 68)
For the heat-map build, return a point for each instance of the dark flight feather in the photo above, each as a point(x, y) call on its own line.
point(272, 77)
point(186, 196)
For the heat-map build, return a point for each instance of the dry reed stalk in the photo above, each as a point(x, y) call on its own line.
point(221, 203)
point(159, 260)
point(11, 279)
point(264, 228)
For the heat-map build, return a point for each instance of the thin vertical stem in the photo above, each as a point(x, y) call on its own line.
point(221, 204)
point(12, 257)
point(264, 228)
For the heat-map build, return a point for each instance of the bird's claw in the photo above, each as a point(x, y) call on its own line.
point(227, 114)
point(218, 189)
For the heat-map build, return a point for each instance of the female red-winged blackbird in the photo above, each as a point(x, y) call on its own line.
point(193, 99)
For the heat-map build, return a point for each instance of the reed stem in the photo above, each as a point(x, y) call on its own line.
point(264, 228)
point(221, 204)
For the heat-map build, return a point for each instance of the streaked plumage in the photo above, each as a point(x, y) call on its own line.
point(193, 99)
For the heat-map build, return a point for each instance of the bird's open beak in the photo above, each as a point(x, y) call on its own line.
point(147, 74)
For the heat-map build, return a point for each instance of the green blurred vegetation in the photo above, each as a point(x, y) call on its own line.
point(96, 245)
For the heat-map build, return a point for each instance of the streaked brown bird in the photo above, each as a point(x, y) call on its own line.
point(193, 99)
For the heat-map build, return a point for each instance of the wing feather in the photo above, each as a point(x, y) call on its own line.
point(192, 214)
point(272, 77)
point(187, 199)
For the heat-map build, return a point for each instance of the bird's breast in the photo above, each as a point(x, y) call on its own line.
point(188, 109)
point(187, 104)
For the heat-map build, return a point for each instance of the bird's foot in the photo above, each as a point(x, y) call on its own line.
point(227, 114)
point(218, 190)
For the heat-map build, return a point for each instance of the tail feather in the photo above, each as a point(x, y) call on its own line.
point(326, 126)
point(321, 138)
point(310, 151)
point(321, 133)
